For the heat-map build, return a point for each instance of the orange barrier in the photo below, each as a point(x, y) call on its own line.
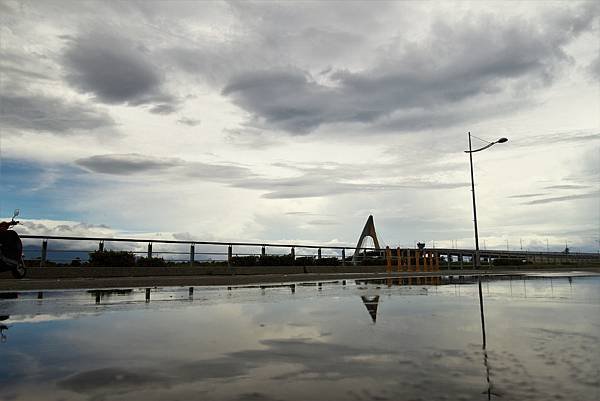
point(388, 259)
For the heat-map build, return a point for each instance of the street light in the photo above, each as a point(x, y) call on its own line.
point(477, 262)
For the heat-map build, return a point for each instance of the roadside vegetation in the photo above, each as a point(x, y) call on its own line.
point(110, 258)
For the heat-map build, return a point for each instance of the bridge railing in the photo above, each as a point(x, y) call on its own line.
point(66, 249)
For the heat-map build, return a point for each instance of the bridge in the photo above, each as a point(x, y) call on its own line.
point(47, 249)
point(409, 257)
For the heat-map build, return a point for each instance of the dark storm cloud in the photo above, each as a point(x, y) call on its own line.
point(40, 113)
point(125, 164)
point(283, 98)
point(278, 34)
point(190, 122)
point(563, 198)
point(115, 70)
point(421, 85)
point(134, 163)
point(163, 109)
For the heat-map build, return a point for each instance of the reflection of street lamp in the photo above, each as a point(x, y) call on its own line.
point(476, 262)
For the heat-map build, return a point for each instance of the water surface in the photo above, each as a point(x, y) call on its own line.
point(362, 340)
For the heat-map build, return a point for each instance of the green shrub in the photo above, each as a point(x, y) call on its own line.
point(304, 261)
point(312, 261)
point(283, 260)
point(332, 261)
point(112, 259)
point(276, 260)
point(150, 262)
point(243, 260)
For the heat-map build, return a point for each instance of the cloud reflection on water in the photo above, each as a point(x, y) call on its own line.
point(249, 344)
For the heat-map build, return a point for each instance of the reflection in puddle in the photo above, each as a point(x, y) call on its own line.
point(371, 303)
point(3, 328)
point(431, 338)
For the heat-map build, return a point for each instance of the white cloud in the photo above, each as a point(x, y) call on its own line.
point(224, 119)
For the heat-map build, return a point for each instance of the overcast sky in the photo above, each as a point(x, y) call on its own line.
point(294, 121)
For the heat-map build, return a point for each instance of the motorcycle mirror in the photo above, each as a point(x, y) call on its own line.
point(16, 213)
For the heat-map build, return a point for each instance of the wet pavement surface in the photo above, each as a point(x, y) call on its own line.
point(403, 338)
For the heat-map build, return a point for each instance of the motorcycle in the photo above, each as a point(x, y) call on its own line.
point(11, 248)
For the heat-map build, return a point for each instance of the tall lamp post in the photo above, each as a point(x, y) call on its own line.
point(477, 262)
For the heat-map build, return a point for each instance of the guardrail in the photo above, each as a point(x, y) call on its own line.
point(243, 248)
point(219, 251)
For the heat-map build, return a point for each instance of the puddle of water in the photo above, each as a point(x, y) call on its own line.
point(353, 340)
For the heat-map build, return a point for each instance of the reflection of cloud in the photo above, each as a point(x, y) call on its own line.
point(113, 380)
point(177, 355)
point(321, 361)
point(104, 382)
point(324, 359)
point(255, 396)
point(42, 318)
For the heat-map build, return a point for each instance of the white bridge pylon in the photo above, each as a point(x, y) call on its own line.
point(368, 231)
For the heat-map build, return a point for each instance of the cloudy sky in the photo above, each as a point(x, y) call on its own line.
point(294, 121)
